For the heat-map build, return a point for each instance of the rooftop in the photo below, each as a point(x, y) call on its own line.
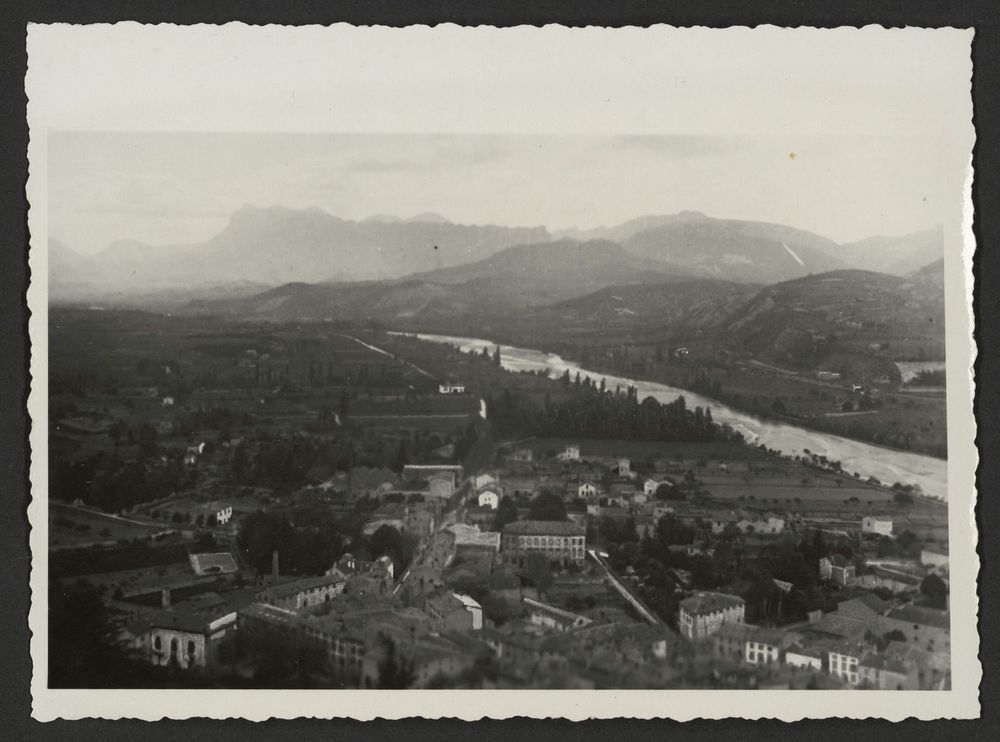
point(216, 563)
point(922, 616)
point(869, 600)
point(545, 528)
point(298, 586)
point(704, 603)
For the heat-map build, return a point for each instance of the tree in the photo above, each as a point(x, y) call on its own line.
point(395, 672)
point(506, 513)
point(548, 506)
point(261, 534)
point(84, 648)
point(902, 498)
point(385, 540)
point(935, 590)
point(538, 570)
point(778, 406)
point(402, 456)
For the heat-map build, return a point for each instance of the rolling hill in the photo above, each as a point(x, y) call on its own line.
point(798, 321)
point(897, 255)
point(690, 304)
point(537, 274)
point(514, 279)
point(749, 252)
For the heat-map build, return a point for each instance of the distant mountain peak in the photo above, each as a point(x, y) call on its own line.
point(429, 217)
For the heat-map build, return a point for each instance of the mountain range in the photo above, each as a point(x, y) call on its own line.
point(278, 245)
point(307, 263)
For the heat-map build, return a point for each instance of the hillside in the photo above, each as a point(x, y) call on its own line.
point(530, 275)
point(896, 255)
point(749, 252)
point(690, 304)
point(65, 264)
point(803, 321)
point(512, 280)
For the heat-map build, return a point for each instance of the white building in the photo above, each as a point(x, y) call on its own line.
point(489, 499)
point(843, 663)
point(586, 491)
point(473, 607)
point(447, 388)
point(934, 558)
point(876, 524)
point(183, 638)
point(802, 658)
point(168, 401)
point(571, 453)
point(224, 514)
point(763, 647)
point(650, 486)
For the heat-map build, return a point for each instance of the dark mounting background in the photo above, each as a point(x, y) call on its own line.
point(14, 556)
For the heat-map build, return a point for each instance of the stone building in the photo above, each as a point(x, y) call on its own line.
point(559, 541)
point(703, 613)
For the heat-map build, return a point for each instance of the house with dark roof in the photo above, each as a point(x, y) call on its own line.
point(926, 628)
point(865, 606)
point(884, 671)
point(729, 641)
point(451, 611)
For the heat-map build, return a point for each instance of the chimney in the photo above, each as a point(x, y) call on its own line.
point(274, 565)
point(165, 597)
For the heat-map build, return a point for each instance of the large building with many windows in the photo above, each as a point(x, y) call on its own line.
point(704, 613)
point(559, 541)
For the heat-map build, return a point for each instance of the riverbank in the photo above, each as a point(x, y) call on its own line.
point(929, 474)
point(754, 393)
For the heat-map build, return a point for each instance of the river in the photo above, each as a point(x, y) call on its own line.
point(887, 465)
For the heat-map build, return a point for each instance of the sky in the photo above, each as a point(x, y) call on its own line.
point(180, 188)
point(159, 133)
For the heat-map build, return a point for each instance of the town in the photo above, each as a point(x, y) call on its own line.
point(316, 505)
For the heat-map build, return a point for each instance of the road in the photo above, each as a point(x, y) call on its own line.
point(403, 417)
point(390, 355)
point(448, 518)
point(643, 611)
point(109, 516)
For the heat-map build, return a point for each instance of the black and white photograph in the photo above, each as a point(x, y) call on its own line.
point(522, 362)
